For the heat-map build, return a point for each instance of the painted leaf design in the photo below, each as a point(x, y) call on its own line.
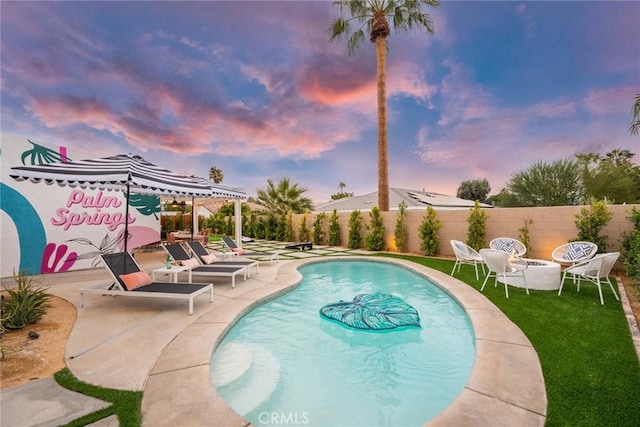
point(41, 155)
point(146, 204)
point(373, 311)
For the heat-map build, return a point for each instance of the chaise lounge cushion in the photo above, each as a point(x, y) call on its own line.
point(136, 280)
point(239, 251)
point(209, 259)
point(190, 263)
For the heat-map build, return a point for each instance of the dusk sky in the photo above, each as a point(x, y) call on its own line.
point(257, 89)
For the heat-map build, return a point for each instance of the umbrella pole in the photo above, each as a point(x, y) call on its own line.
point(126, 221)
point(193, 200)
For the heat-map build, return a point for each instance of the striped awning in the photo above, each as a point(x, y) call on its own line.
point(121, 172)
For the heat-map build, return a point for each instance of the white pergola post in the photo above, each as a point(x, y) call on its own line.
point(238, 215)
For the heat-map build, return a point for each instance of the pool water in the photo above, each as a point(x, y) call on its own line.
point(284, 364)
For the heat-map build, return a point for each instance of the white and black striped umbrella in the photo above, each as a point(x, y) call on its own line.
point(124, 172)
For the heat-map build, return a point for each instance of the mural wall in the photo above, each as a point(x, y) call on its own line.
point(47, 228)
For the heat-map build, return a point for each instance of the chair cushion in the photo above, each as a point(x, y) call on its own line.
point(209, 259)
point(190, 263)
point(239, 251)
point(577, 251)
point(505, 245)
point(135, 280)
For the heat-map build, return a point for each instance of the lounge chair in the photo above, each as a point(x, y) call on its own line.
point(595, 270)
point(465, 254)
point(499, 266)
point(180, 255)
point(200, 252)
point(131, 280)
point(272, 256)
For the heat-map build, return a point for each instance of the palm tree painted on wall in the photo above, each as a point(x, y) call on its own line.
point(216, 175)
point(374, 16)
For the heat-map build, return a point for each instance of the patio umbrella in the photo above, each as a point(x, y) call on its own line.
point(124, 172)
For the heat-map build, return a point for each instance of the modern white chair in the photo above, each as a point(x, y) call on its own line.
point(574, 252)
point(499, 265)
point(465, 254)
point(507, 244)
point(595, 270)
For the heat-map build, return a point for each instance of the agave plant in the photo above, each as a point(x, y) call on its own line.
point(24, 305)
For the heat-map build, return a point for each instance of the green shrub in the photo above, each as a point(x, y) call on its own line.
point(303, 231)
point(355, 230)
point(477, 232)
point(401, 233)
point(24, 305)
point(318, 232)
point(524, 235)
point(374, 240)
point(335, 237)
point(428, 232)
point(631, 250)
point(590, 222)
point(288, 227)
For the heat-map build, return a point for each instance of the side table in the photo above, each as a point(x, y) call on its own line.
point(172, 272)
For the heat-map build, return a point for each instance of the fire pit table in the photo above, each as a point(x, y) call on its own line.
point(540, 275)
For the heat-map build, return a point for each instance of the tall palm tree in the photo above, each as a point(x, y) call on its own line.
point(284, 197)
point(216, 175)
point(374, 15)
point(635, 121)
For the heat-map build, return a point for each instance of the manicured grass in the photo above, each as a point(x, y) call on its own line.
point(126, 404)
point(590, 367)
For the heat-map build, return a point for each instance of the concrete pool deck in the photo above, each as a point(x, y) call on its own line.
point(153, 345)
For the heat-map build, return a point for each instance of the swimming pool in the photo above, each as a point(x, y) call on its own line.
point(284, 364)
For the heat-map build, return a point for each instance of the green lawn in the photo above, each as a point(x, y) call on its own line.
point(590, 367)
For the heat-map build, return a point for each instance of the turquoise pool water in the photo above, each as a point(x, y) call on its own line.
point(283, 364)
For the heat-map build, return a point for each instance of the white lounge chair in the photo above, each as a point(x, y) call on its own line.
point(124, 269)
point(271, 256)
point(180, 255)
point(199, 251)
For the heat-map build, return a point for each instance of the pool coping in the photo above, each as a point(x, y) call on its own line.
point(506, 385)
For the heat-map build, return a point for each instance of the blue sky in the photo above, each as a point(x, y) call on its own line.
point(256, 88)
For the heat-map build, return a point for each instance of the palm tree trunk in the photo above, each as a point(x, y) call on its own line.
point(383, 167)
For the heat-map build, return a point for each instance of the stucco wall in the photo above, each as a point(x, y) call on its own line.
point(551, 227)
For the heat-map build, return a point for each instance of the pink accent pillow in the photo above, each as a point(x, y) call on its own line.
point(190, 263)
point(239, 251)
point(135, 280)
point(209, 259)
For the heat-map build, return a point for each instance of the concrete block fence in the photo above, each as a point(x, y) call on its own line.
point(551, 227)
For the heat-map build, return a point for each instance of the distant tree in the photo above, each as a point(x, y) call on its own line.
point(611, 176)
point(341, 194)
point(288, 229)
point(635, 120)
point(371, 15)
point(504, 199)
point(283, 197)
point(216, 175)
point(475, 189)
point(548, 184)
